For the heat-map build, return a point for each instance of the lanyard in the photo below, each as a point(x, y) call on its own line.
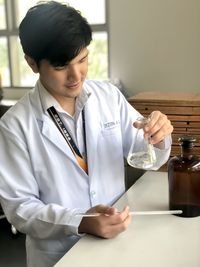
point(61, 127)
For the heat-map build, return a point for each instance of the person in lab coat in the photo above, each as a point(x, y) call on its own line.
point(45, 180)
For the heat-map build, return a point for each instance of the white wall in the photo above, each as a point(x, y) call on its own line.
point(155, 44)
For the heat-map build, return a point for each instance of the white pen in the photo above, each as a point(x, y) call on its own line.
point(151, 212)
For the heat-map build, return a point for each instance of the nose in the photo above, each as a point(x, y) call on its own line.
point(73, 73)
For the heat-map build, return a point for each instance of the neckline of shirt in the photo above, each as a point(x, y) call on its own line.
point(47, 100)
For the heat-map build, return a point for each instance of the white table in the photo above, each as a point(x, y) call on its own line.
point(150, 241)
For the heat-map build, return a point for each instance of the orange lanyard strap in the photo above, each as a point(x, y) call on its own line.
point(60, 125)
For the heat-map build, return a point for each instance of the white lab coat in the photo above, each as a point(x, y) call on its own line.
point(41, 184)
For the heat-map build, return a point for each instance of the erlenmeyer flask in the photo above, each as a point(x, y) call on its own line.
point(145, 157)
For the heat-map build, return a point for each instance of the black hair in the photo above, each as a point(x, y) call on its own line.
point(55, 32)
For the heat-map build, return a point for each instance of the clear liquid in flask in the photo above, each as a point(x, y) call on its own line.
point(141, 160)
point(145, 157)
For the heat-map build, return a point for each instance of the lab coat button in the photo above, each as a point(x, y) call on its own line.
point(92, 193)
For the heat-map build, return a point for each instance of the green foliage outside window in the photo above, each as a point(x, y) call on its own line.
point(98, 62)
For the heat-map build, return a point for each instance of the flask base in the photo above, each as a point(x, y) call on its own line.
point(140, 160)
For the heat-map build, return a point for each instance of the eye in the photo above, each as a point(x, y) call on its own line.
point(83, 59)
point(60, 67)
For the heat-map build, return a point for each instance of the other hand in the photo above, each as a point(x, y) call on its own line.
point(109, 223)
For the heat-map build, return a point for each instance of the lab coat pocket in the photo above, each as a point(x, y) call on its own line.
point(110, 139)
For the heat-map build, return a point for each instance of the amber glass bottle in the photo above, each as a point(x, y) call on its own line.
point(184, 179)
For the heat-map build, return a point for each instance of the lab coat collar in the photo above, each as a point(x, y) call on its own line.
point(50, 131)
point(47, 100)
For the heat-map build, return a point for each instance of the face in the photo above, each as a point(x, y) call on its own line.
point(65, 83)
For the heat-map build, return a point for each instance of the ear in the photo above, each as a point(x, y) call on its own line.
point(32, 63)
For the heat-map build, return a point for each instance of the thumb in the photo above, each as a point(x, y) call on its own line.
point(99, 209)
point(138, 124)
point(104, 209)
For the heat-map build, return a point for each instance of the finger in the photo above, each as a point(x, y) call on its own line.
point(125, 214)
point(153, 118)
point(99, 209)
point(122, 225)
point(161, 134)
point(111, 211)
point(157, 120)
point(138, 124)
point(120, 217)
point(158, 128)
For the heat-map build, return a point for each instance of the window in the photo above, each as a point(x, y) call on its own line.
point(15, 72)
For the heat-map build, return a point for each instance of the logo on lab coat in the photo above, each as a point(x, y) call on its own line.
point(111, 124)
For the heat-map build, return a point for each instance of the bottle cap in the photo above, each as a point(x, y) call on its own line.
point(187, 140)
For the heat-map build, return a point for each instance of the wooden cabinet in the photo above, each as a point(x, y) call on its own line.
point(183, 109)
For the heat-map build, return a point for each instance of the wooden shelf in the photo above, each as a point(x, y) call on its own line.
point(183, 109)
